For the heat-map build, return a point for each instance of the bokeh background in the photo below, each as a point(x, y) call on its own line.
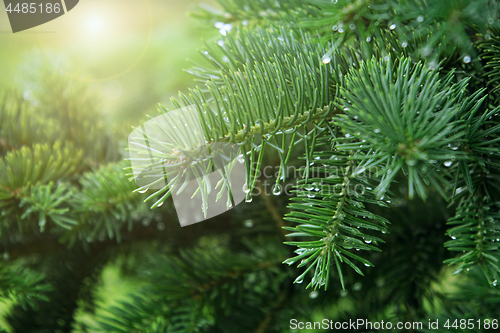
point(131, 53)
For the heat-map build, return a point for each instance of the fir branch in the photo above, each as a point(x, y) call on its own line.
point(330, 212)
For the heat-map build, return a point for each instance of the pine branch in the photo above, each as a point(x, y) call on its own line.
point(404, 117)
point(259, 100)
point(330, 211)
point(23, 285)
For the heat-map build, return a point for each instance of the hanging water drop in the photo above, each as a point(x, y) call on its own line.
point(420, 19)
point(376, 130)
point(467, 59)
point(277, 189)
point(404, 44)
point(368, 39)
point(245, 188)
point(248, 200)
point(326, 60)
point(392, 27)
point(313, 294)
point(448, 164)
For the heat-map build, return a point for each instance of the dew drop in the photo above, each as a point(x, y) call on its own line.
point(368, 39)
point(404, 44)
point(144, 191)
point(341, 30)
point(245, 188)
point(357, 286)
point(448, 164)
point(277, 189)
point(420, 19)
point(219, 25)
point(376, 130)
point(368, 241)
point(313, 294)
point(248, 223)
point(326, 60)
point(467, 59)
point(392, 27)
point(248, 200)
point(344, 293)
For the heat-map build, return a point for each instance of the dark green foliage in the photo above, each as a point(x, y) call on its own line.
point(388, 108)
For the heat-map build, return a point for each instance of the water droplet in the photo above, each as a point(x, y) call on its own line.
point(344, 293)
point(495, 283)
point(376, 130)
point(404, 44)
point(248, 200)
point(326, 60)
point(219, 25)
point(160, 226)
point(245, 188)
point(426, 51)
point(392, 27)
point(420, 19)
point(453, 237)
point(448, 164)
point(387, 58)
point(467, 59)
point(367, 265)
point(313, 294)
point(348, 135)
point(144, 191)
point(357, 286)
point(248, 223)
point(368, 39)
point(352, 26)
point(335, 27)
point(490, 20)
point(277, 189)
point(341, 30)
point(225, 59)
point(220, 42)
point(368, 241)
